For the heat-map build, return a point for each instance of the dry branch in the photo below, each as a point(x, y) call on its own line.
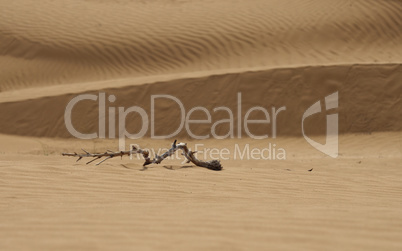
point(187, 153)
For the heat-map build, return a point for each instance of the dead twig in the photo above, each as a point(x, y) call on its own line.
point(187, 153)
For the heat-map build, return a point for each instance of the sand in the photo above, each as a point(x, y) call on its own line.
point(205, 53)
point(350, 203)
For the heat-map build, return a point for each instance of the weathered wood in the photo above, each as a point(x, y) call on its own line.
point(187, 153)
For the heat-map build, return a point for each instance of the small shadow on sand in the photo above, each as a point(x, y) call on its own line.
point(125, 166)
point(177, 167)
point(134, 167)
point(169, 167)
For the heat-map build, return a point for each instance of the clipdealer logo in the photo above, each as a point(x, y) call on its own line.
point(331, 101)
point(330, 147)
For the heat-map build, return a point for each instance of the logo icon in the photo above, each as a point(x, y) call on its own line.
point(330, 147)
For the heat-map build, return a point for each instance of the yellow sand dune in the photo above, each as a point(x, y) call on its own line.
point(369, 101)
point(56, 42)
point(268, 53)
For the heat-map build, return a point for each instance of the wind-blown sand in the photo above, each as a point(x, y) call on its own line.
point(349, 203)
point(275, 53)
point(43, 44)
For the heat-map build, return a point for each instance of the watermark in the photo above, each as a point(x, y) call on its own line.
point(147, 123)
point(330, 147)
point(239, 152)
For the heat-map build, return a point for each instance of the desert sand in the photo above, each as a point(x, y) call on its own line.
point(269, 53)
